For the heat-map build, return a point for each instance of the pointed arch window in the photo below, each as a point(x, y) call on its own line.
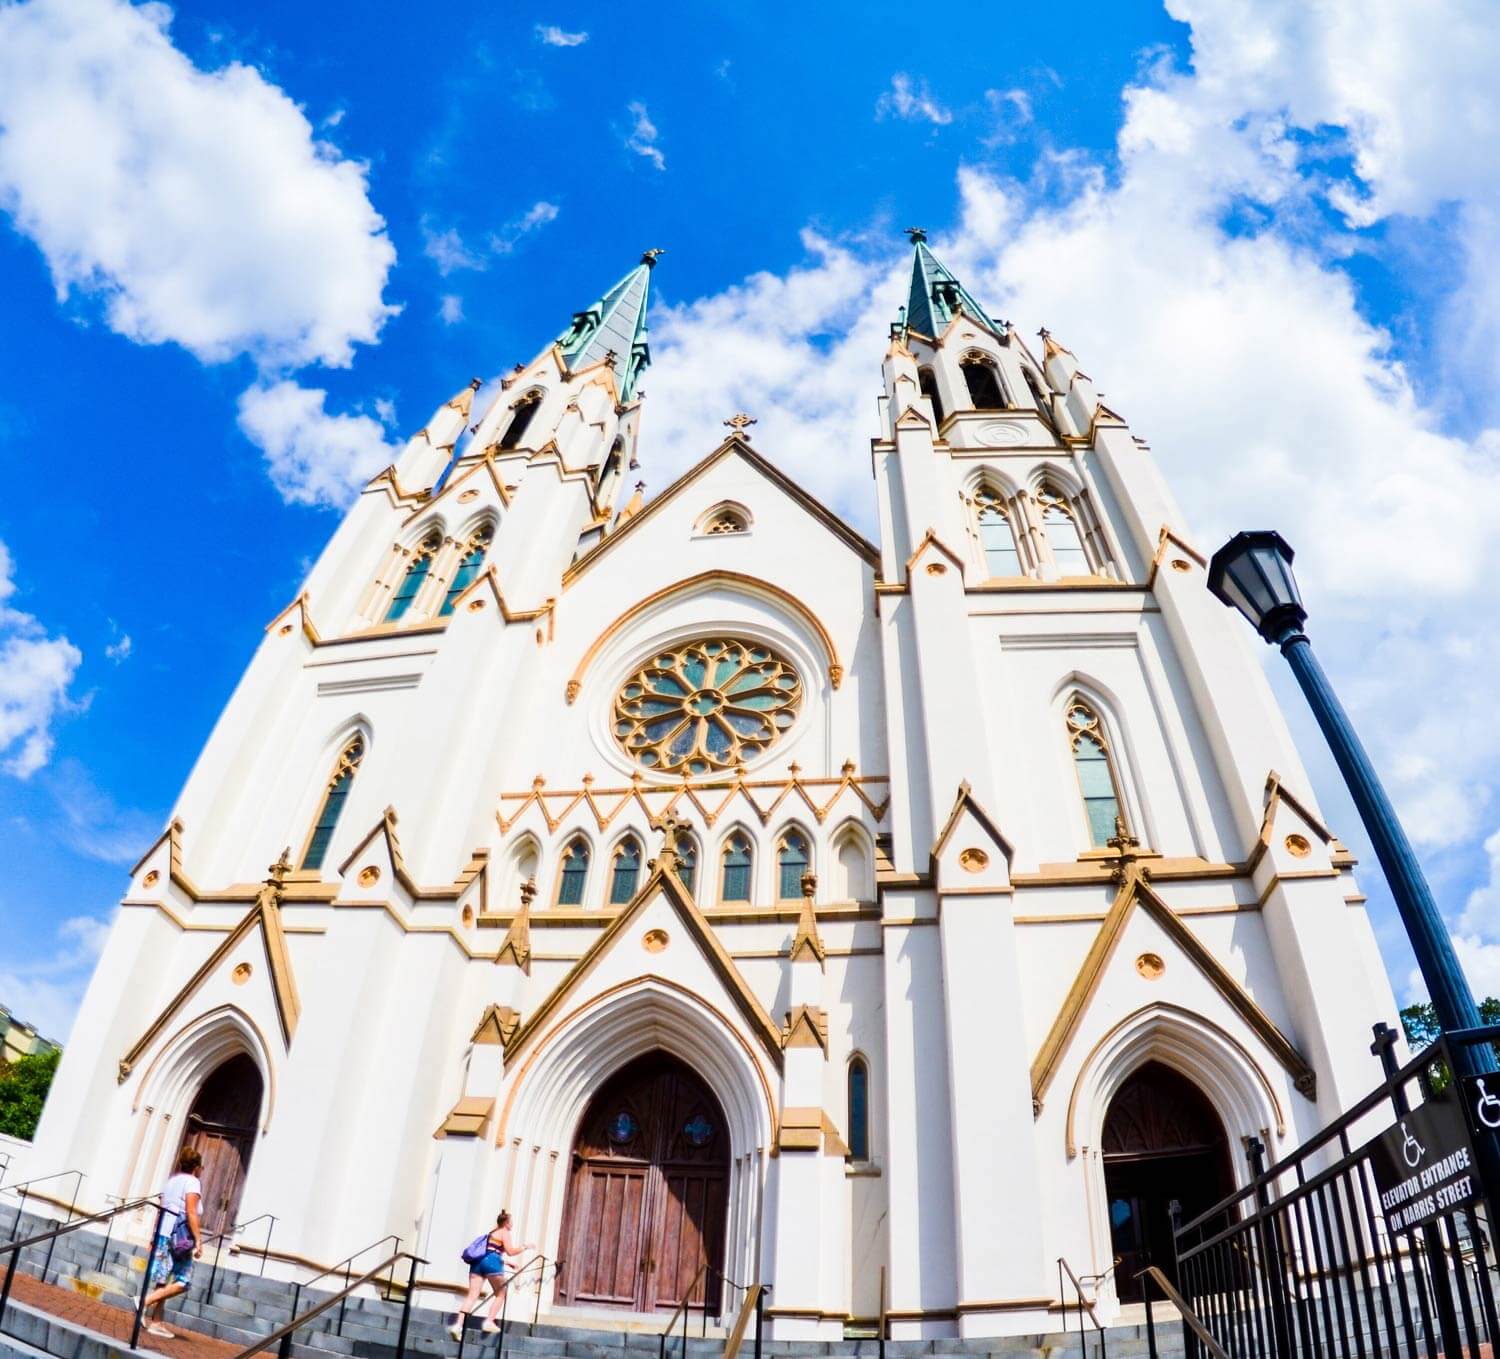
point(626, 875)
point(792, 861)
point(983, 382)
point(1060, 525)
point(1037, 395)
point(523, 412)
point(1097, 780)
point(927, 382)
point(468, 566)
point(573, 872)
point(332, 806)
point(1002, 558)
point(738, 861)
point(417, 571)
point(859, 1109)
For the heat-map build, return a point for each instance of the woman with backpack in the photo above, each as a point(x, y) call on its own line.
point(179, 1239)
point(486, 1256)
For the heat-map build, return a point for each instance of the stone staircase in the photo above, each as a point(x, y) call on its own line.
point(243, 1308)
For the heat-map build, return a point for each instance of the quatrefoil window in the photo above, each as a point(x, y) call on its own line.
point(706, 705)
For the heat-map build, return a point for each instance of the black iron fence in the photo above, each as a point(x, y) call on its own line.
point(1375, 1237)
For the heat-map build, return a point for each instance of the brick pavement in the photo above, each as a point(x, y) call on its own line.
point(78, 1308)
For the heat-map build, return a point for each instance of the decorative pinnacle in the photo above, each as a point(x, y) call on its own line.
point(649, 258)
point(740, 423)
point(281, 868)
point(917, 234)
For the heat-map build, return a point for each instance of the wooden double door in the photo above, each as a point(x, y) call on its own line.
point(648, 1193)
point(1162, 1142)
point(222, 1126)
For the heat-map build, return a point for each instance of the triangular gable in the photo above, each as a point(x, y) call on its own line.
point(931, 541)
point(266, 914)
point(172, 839)
point(1134, 891)
point(486, 463)
point(666, 884)
point(735, 444)
point(1276, 793)
point(303, 619)
point(387, 846)
point(967, 811)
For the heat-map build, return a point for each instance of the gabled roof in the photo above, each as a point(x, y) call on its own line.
point(935, 295)
point(616, 324)
point(665, 883)
point(734, 444)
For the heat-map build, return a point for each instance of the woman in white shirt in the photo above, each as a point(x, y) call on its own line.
point(172, 1271)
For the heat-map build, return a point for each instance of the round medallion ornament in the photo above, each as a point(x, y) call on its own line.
point(622, 1128)
point(973, 860)
point(654, 941)
point(1299, 845)
point(1150, 966)
point(150, 879)
point(369, 875)
point(241, 974)
point(706, 705)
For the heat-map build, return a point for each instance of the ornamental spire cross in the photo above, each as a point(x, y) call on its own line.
point(740, 423)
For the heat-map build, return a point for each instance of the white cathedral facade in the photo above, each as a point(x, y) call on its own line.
point(713, 886)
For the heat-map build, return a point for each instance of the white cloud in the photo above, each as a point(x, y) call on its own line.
point(553, 36)
point(91, 823)
point(314, 457)
point(35, 673)
point(1245, 359)
point(451, 309)
point(195, 207)
point(911, 100)
point(447, 250)
point(1011, 110)
point(120, 648)
point(642, 135)
point(47, 993)
point(538, 215)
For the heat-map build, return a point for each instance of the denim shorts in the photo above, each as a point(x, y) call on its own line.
point(492, 1264)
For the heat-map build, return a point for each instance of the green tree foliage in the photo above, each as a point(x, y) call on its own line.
point(23, 1091)
point(1421, 1021)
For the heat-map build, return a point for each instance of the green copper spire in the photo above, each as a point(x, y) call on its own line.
point(935, 294)
point(615, 324)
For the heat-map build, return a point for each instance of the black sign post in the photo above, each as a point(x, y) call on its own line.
point(1424, 1166)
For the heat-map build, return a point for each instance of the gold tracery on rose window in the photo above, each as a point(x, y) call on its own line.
point(706, 705)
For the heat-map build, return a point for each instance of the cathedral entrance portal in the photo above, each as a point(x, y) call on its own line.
point(222, 1126)
point(648, 1192)
point(1162, 1141)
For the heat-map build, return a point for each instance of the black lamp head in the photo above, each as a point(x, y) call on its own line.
point(1252, 572)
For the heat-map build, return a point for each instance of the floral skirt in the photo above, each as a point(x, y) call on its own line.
point(168, 1268)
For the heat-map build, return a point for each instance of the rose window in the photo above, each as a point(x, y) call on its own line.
point(706, 705)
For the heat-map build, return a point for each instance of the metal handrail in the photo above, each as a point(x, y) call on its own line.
point(1085, 1304)
point(755, 1295)
point(344, 1265)
point(213, 1275)
point(682, 1311)
point(463, 1316)
point(25, 1189)
point(1189, 1317)
point(282, 1337)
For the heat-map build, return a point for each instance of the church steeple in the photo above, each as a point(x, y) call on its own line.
point(935, 294)
point(616, 324)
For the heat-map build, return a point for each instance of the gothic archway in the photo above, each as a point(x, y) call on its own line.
point(648, 1192)
point(222, 1126)
point(1162, 1142)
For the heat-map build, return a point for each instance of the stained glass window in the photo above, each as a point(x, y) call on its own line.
point(859, 1110)
point(1063, 536)
point(1096, 776)
point(791, 863)
point(706, 705)
point(623, 880)
point(572, 873)
point(416, 573)
point(1001, 557)
point(468, 568)
point(333, 803)
point(687, 863)
point(737, 865)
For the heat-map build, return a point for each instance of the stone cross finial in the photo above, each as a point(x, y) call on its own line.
point(649, 257)
point(916, 234)
point(1128, 848)
point(281, 868)
point(740, 423)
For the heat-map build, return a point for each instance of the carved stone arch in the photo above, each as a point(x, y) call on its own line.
point(467, 528)
point(576, 1056)
point(523, 859)
point(1105, 703)
point(851, 833)
point(317, 773)
point(996, 480)
point(1212, 1058)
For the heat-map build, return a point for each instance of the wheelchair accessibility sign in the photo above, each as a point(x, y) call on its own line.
point(1482, 1098)
point(1424, 1164)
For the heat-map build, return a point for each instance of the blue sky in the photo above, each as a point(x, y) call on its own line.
point(247, 250)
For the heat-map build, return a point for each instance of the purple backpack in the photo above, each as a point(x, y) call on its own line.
point(476, 1250)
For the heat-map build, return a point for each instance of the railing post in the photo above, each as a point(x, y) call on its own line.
point(760, 1313)
point(1190, 1347)
point(880, 1321)
point(504, 1317)
point(536, 1311)
point(1150, 1321)
point(72, 1204)
point(411, 1288)
point(140, 1302)
point(1270, 1252)
point(213, 1274)
point(109, 1227)
point(270, 1227)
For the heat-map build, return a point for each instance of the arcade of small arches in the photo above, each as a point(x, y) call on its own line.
point(423, 580)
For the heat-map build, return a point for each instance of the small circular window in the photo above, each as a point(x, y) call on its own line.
point(706, 705)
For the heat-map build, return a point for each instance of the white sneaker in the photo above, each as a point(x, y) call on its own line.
point(456, 1331)
point(489, 1328)
point(161, 1332)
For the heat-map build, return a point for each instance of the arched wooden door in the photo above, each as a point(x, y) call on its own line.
point(222, 1126)
point(1162, 1141)
point(648, 1192)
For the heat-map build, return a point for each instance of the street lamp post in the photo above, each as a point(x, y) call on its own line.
point(1252, 572)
